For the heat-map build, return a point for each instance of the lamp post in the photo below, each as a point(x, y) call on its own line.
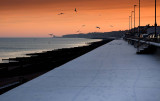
point(131, 19)
point(134, 17)
point(129, 23)
point(139, 26)
point(155, 19)
point(139, 18)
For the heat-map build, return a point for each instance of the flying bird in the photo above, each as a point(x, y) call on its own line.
point(75, 10)
point(52, 35)
point(78, 31)
point(111, 26)
point(98, 27)
point(60, 13)
point(81, 28)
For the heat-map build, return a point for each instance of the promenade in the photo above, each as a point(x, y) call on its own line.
point(112, 72)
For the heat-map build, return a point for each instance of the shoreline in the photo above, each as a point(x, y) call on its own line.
point(27, 68)
point(16, 47)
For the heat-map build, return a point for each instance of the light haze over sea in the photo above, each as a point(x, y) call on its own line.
point(18, 47)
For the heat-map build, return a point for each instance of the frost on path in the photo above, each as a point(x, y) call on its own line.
point(113, 72)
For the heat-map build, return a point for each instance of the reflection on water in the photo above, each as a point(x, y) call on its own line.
point(18, 47)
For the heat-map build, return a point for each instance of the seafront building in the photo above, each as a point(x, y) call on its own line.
point(146, 32)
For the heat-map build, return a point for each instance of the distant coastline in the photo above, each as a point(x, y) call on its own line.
point(18, 47)
point(97, 35)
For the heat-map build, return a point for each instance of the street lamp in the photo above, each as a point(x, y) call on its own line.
point(139, 17)
point(131, 19)
point(139, 26)
point(129, 23)
point(155, 20)
point(134, 17)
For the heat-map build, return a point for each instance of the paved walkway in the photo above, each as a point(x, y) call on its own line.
point(113, 72)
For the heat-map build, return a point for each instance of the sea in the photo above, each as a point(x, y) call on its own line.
point(19, 47)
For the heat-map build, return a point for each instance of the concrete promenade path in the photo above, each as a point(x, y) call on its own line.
point(112, 72)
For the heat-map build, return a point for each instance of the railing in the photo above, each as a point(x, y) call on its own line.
point(154, 42)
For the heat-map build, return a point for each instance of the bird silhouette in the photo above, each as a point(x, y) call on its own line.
point(98, 27)
point(81, 28)
point(111, 26)
point(60, 13)
point(75, 10)
point(78, 31)
point(52, 35)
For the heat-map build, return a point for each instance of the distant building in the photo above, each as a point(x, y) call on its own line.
point(145, 32)
point(151, 31)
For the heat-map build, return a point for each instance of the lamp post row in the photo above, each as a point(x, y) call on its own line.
point(140, 18)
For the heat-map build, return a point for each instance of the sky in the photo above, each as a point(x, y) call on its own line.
point(39, 18)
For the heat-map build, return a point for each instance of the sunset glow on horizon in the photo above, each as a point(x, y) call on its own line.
point(38, 18)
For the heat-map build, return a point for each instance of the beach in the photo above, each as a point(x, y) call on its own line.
point(27, 68)
point(18, 47)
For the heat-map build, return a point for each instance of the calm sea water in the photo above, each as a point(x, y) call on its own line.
point(18, 47)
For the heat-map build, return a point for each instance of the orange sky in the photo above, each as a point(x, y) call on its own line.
point(38, 18)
